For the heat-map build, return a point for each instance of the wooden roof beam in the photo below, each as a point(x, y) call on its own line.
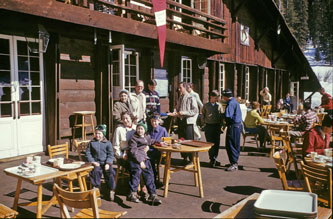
point(235, 9)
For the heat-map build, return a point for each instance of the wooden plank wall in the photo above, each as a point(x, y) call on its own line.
point(240, 53)
point(76, 83)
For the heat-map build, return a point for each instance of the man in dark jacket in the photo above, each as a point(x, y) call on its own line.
point(100, 155)
point(139, 163)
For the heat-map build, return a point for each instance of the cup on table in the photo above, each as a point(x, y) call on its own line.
point(60, 161)
point(314, 154)
point(329, 152)
point(29, 159)
point(322, 110)
point(37, 159)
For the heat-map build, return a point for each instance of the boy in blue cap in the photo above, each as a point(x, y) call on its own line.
point(139, 163)
point(100, 155)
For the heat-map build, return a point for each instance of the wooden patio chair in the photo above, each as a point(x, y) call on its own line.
point(62, 149)
point(6, 212)
point(163, 156)
point(263, 110)
point(291, 158)
point(321, 117)
point(268, 111)
point(88, 201)
point(275, 135)
point(292, 185)
point(247, 134)
point(318, 180)
point(81, 147)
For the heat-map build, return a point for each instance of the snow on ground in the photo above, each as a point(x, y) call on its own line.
point(321, 69)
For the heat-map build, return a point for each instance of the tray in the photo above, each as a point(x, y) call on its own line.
point(195, 143)
point(286, 204)
point(42, 170)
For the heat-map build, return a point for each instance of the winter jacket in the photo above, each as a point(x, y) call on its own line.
point(137, 146)
point(100, 151)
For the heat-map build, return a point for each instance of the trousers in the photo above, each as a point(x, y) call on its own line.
point(147, 173)
point(96, 174)
point(233, 142)
point(212, 133)
point(185, 131)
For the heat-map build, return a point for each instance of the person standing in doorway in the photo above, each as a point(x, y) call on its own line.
point(266, 96)
point(189, 89)
point(186, 111)
point(138, 100)
point(211, 118)
point(233, 119)
point(287, 103)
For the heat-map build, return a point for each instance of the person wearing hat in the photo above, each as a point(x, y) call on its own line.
point(139, 163)
point(233, 119)
point(100, 155)
point(124, 105)
point(267, 97)
point(156, 131)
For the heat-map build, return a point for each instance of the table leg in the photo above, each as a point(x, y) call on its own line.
point(83, 128)
point(195, 170)
point(39, 200)
point(79, 179)
point(17, 194)
point(167, 174)
point(199, 174)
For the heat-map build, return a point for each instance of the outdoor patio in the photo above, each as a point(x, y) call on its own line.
point(222, 189)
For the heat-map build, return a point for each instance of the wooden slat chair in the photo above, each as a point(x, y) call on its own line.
point(291, 158)
point(88, 201)
point(319, 180)
point(163, 156)
point(268, 111)
point(292, 185)
point(247, 134)
point(274, 132)
point(320, 118)
point(263, 110)
point(6, 212)
point(81, 147)
point(62, 149)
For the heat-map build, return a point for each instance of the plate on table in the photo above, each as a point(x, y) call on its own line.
point(51, 160)
point(318, 160)
point(78, 162)
point(69, 166)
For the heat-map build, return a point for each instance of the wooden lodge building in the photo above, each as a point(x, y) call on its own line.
point(57, 57)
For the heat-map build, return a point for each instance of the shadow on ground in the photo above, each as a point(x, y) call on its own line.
point(212, 207)
point(243, 190)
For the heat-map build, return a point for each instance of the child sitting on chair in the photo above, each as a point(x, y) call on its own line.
point(100, 155)
point(139, 163)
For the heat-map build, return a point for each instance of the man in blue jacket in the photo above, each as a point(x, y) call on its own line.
point(233, 119)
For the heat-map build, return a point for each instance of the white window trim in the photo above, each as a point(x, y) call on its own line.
point(247, 82)
point(184, 58)
point(221, 78)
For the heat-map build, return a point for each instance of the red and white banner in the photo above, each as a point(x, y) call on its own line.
point(159, 7)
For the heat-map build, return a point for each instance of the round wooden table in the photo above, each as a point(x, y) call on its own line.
point(308, 160)
point(195, 168)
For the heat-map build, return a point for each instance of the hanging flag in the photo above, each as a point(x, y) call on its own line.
point(159, 7)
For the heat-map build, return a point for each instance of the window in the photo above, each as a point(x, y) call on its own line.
point(221, 78)
point(244, 35)
point(124, 69)
point(247, 83)
point(186, 70)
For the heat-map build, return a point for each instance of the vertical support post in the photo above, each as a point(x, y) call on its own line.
point(235, 80)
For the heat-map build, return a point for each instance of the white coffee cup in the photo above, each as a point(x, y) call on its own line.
point(60, 161)
point(37, 159)
point(29, 159)
point(314, 154)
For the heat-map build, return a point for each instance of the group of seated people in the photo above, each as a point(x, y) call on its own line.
point(132, 149)
point(316, 138)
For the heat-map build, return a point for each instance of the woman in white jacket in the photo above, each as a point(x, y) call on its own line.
point(121, 136)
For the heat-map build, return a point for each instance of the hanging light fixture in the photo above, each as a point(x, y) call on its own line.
point(43, 37)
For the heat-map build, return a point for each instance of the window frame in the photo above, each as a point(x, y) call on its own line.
point(185, 59)
point(221, 78)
